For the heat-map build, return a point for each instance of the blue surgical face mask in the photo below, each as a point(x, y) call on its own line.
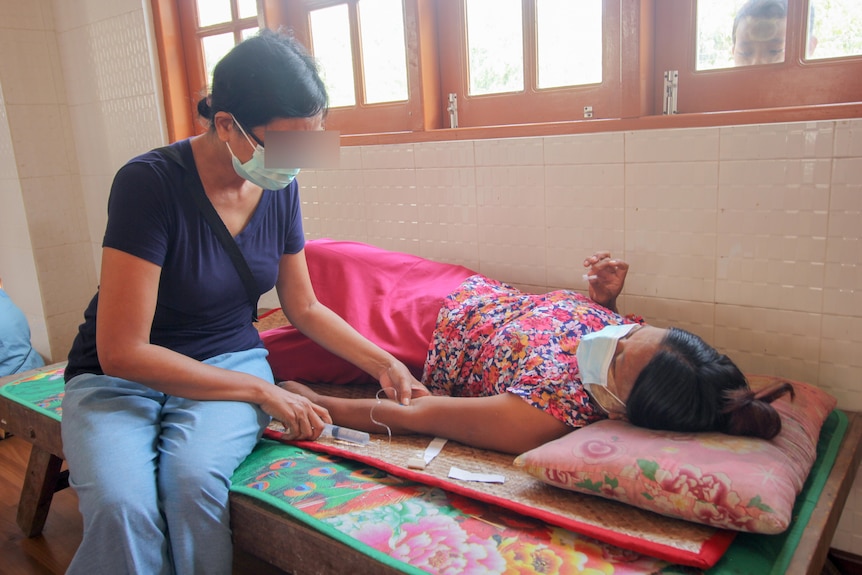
point(595, 352)
point(254, 170)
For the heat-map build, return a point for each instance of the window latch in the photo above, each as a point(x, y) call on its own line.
point(452, 108)
point(671, 87)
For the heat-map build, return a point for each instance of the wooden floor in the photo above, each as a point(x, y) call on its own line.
point(51, 552)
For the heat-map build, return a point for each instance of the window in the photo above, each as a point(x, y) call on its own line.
point(212, 28)
point(775, 63)
point(834, 29)
point(191, 38)
point(757, 35)
point(728, 37)
point(330, 34)
point(564, 58)
point(384, 56)
point(418, 66)
point(539, 60)
point(568, 49)
point(361, 49)
point(495, 46)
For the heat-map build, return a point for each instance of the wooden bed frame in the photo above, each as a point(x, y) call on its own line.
point(299, 549)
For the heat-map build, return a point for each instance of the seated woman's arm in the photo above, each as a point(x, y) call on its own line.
point(330, 331)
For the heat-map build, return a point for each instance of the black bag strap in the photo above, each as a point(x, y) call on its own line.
point(196, 189)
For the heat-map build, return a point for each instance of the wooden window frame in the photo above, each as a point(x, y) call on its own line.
point(419, 112)
point(622, 93)
point(650, 38)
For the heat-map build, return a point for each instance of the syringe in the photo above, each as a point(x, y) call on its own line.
point(345, 434)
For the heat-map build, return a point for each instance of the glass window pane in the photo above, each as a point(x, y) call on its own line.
point(569, 42)
point(247, 8)
point(495, 46)
point(214, 48)
point(249, 32)
point(384, 56)
point(740, 33)
point(330, 39)
point(213, 12)
point(834, 29)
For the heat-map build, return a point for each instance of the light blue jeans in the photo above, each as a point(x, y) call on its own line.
point(152, 472)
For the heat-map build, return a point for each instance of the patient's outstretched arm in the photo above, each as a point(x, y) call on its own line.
point(503, 422)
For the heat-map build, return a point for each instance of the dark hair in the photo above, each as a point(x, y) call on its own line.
point(760, 9)
point(688, 386)
point(265, 77)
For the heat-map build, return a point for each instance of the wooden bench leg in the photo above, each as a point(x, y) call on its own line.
point(42, 480)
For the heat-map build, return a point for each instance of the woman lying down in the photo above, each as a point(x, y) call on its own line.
point(509, 371)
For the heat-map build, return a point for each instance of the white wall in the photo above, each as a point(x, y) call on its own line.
point(748, 236)
point(79, 98)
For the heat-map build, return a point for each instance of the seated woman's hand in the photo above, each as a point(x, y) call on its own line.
point(400, 385)
point(301, 417)
point(606, 278)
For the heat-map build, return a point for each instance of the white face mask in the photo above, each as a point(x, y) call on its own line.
point(595, 352)
point(254, 170)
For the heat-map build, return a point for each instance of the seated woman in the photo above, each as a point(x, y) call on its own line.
point(16, 352)
point(509, 371)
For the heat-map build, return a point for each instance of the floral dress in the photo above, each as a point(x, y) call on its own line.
point(491, 338)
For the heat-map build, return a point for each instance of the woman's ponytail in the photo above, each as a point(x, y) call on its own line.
point(751, 414)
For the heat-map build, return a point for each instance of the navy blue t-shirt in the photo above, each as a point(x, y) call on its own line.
point(203, 309)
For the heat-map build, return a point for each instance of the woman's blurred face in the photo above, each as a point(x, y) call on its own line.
point(243, 148)
point(633, 353)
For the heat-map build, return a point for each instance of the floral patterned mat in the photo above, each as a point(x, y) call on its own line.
point(418, 528)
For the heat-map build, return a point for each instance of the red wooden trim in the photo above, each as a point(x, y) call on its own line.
point(638, 55)
point(716, 119)
point(423, 65)
point(194, 61)
point(180, 123)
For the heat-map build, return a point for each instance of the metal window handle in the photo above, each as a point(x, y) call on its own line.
point(671, 88)
point(452, 108)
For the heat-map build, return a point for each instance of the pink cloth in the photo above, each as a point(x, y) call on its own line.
point(391, 298)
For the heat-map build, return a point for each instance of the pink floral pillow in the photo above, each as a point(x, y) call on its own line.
point(738, 483)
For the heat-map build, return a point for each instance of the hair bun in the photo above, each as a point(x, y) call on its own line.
point(205, 108)
point(750, 413)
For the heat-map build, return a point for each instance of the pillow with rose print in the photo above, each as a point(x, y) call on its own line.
point(732, 482)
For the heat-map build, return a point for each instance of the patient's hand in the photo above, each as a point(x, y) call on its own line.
point(607, 277)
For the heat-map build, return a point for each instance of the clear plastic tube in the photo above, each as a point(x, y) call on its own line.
point(345, 434)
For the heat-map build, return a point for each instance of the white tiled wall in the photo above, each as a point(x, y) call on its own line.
point(748, 236)
point(79, 99)
point(41, 200)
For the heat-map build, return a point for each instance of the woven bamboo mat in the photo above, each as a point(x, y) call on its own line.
point(520, 491)
point(270, 319)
